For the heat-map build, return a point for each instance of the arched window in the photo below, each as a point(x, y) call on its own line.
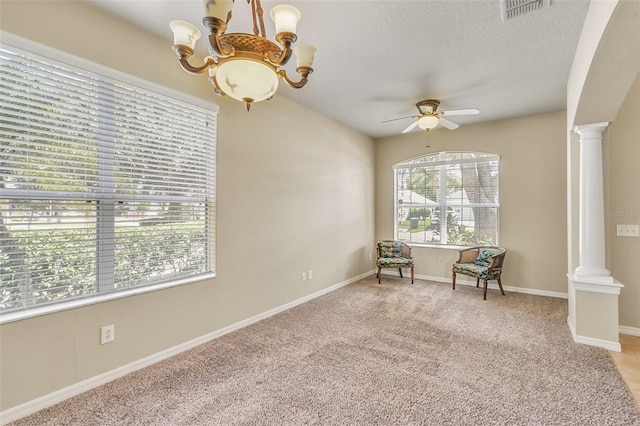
point(462, 184)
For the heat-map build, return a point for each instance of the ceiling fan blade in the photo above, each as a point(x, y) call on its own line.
point(411, 127)
point(466, 111)
point(448, 124)
point(401, 118)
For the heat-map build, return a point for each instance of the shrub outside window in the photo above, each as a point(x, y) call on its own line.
point(447, 198)
point(104, 186)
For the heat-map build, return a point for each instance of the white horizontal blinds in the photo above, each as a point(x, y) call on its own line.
point(103, 185)
point(46, 116)
point(162, 155)
point(462, 184)
point(160, 145)
point(44, 248)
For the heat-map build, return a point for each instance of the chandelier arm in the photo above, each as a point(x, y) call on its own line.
point(282, 59)
point(217, 27)
point(185, 53)
point(304, 73)
point(184, 63)
point(286, 39)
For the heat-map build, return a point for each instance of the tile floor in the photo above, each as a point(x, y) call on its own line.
point(628, 363)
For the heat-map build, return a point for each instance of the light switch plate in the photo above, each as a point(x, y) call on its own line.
point(628, 230)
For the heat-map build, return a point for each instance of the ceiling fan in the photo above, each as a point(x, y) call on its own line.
point(429, 116)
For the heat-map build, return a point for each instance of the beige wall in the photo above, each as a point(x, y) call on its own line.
point(294, 192)
point(532, 194)
point(622, 202)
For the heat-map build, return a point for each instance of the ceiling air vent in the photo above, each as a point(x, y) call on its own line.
point(512, 8)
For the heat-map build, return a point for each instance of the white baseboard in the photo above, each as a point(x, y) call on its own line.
point(492, 285)
point(631, 331)
point(606, 344)
point(612, 346)
point(53, 398)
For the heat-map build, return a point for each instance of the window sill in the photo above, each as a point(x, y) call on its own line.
point(99, 298)
point(437, 246)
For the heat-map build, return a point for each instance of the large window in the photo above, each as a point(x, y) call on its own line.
point(448, 198)
point(104, 186)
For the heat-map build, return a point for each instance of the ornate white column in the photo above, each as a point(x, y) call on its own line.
point(591, 234)
point(593, 292)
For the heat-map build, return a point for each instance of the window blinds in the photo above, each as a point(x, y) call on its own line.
point(104, 186)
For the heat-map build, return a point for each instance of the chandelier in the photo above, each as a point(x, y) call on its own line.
point(245, 67)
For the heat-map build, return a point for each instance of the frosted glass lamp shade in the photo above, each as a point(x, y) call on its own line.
point(217, 8)
point(184, 33)
point(428, 122)
point(246, 79)
point(286, 18)
point(304, 55)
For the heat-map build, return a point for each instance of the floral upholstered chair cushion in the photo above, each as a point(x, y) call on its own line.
point(394, 254)
point(389, 249)
point(484, 256)
point(482, 263)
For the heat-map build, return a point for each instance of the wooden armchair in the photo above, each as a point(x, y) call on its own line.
point(483, 263)
point(394, 254)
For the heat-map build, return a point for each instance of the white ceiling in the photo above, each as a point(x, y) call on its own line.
point(376, 59)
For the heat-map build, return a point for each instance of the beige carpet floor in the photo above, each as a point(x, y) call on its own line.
point(369, 354)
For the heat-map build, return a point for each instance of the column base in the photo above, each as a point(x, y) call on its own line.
point(593, 310)
point(605, 284)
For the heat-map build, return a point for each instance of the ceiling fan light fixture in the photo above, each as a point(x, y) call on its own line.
point(428, 121)
point(429, 117)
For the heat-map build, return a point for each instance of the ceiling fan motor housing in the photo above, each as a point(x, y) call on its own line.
point(430, 106)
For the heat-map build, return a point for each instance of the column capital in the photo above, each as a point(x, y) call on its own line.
point(595, 129)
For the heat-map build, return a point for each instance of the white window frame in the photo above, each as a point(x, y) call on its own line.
point(74, 61)
point(442, 163)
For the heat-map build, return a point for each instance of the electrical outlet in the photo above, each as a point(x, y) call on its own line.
point(107, 334)
point(303, 277)
point(440, 261)
point(310, 274)
point(370, 256)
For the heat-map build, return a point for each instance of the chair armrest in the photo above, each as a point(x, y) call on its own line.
point(495, 262)
point(406, 251)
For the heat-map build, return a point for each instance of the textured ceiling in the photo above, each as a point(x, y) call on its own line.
point(376, 59)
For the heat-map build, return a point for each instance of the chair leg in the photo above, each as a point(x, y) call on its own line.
point(412, 275)
point(378, 275)
point(454, 279)
point(400, 269)
point(500, 285)
point(477, 282)
point(484, 290)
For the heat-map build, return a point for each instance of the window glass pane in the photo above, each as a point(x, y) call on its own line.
point(141, 252)
point(462, 184)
